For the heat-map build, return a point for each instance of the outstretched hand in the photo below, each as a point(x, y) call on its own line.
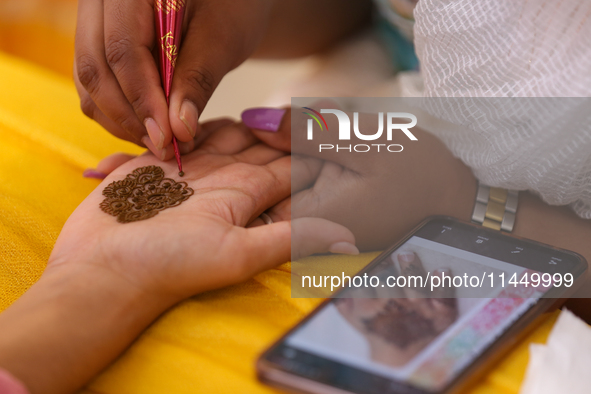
point(202, 243)
point(106, 281)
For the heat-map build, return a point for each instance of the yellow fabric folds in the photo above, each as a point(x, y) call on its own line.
point(41, 31)
point(207, 344)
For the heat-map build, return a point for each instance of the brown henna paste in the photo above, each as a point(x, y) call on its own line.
point(142, 194)
point(401, 324)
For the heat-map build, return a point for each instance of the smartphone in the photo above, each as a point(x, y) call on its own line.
point(367, 340)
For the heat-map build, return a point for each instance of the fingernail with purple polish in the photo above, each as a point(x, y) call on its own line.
point(266, 119)
point(92, 173)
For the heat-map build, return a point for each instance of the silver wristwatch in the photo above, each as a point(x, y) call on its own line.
point(495, 207)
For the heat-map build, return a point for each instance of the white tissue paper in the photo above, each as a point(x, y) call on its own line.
point(563, 364)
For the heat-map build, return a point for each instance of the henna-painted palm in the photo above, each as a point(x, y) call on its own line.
point(202, 243)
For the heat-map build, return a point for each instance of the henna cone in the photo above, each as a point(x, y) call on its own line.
point(169, 23)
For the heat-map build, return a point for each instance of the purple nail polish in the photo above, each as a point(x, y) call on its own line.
point(92, 173)
point(266, 119)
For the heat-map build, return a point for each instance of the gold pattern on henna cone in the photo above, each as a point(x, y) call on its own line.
point(142, 194)
point(169, 5)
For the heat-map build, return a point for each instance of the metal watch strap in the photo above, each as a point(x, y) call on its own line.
point(495, 208)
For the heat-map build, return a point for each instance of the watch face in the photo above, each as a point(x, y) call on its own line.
point(396, 328)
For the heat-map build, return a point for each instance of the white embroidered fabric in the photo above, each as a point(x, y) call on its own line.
point(513, 48)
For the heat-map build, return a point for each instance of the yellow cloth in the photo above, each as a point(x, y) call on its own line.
point(41, 31)
point(207, 344)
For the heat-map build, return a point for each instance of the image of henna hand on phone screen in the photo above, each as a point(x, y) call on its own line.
point(397, 329)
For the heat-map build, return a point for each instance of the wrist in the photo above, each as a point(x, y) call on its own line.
point(560, 227)
point(91, 275)
point(458, 201)
point(82, 310)
point(551, 224)
point(78, 282)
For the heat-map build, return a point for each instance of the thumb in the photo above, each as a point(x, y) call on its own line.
point(107, 165)
point(315, 235)
point(269, 245)
point(197, 74)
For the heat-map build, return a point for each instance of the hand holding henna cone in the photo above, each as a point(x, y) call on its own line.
point(169, 22)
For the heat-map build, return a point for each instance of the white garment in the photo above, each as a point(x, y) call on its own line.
point(513, 48)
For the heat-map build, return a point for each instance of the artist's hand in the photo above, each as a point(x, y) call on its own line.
point(378, 196)
point(117, 76)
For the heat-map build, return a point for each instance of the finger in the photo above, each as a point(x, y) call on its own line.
point(129, 37)
point(256, 187)
point(214, 124)
point(256, 223)
point(279, 212)
point(272, 185)
point(218, 137)
point(304, 172)
point(100, 94)
point(264, 247)
point(90, 109)
point(229, 140)
point(309, 201)
point(316, 235)
point(164, 154)
point(110, 163)
point(207, 129)
point(198, 73)
point(274, 244)
point(259, 154)
point(270, 125)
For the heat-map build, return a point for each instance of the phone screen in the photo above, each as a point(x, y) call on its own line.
point(405, 343)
